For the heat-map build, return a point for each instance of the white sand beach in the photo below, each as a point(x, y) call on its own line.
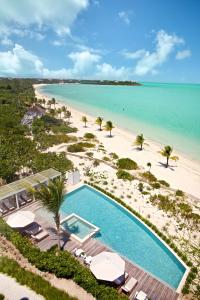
point(183, 174)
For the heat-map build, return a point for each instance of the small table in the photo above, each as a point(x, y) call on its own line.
point(141, 296)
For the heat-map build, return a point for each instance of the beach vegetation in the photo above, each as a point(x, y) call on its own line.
point(109, 127)
point(148, 176)
point(164, 183)
point(167, 152)
point(113, 155)
point(141, 187)
point(127, 164)
point(106, 158)
point(89, 135)
point(140, 141)
point(52, 197)
point(79, 147)
point(179, 193)
point(90, 154)
point(48, 140)
point(155, 185)
point(122, 174)
point(64, 109)
point(84, 120)
point(44, 161)
point(96, 163)
point(99, 122)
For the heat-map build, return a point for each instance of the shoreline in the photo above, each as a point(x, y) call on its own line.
point(184, 174)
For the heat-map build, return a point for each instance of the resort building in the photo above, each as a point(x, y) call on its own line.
point(35, 111)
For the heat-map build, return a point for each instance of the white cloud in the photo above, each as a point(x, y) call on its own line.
point(165, 44)
point(133, 55)
point(83, 61)
point(44, 14)
point(124, 15)
point(19, 62)
point(107, 71)
point(183, 54)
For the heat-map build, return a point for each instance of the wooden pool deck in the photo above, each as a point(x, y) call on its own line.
point(153, 287)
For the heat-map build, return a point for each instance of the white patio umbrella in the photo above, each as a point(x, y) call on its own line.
point(20, 219)
point(107, 266)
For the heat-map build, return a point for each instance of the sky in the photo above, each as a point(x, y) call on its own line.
point(141, 40)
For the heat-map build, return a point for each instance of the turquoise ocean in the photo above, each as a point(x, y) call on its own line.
point(164, 113)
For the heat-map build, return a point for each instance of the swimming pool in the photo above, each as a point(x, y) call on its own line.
point(124, 233)
point(79, 228)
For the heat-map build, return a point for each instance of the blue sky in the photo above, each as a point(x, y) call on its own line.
point(142, 40)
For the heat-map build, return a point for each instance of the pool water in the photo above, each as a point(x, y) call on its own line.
point(124, 233)
point(77, 227)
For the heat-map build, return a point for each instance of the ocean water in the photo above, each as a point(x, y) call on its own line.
point(165, 113)
point(125, 234)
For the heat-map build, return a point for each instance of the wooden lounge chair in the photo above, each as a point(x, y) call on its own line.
point(40, 236)
point(140, 296)
point(88, 260)
point(21, 201)
point(79, 252)
point(9, 204)
point(26, 198)
point(3, 209)
point(129, 286)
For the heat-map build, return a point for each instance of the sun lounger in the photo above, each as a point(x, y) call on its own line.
point(140, 296)
point(40, 236)
point(129, 286)
point(26, 198)
point(9, 204)
point(121, 279)
point(3, 209)
point(79, 252)
point(88, 260)
point(21, 201)
point(33, 229)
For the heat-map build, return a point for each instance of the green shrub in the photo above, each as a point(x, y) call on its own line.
point(96, 163)
point(90, 154)
point(106, 158)
point(113, 155)
point(140, 187)
point(148, 176)
point(155, 185)
point(121, 174)
point(179, 193)
point(127, 164)
point(163, 182)
point(89, 135)
point(2, 297)
point(33, 281)
point(79, 147)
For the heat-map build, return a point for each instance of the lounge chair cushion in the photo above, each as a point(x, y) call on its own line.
point(40, 236)
point(129, 285)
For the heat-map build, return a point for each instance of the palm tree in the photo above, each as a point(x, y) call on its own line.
point(109, 126)
point(139, 141)
point(53, 101)
point(59, 111)
point(68, 115)
point(52, 197)
point(49, 103)
point(166, 152)
point(64, 109)
point(149, 166)
point(99, 121)
point(44, 102)
point(84, 120)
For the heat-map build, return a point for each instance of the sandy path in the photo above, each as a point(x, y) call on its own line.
point(184, 174)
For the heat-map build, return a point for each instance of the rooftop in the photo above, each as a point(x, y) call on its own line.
point(18, 186)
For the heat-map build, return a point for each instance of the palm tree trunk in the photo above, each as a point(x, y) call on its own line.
point(100, 127)
point(141, 146)
point(110, 133)
point(167, 164)
point(57, 220)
